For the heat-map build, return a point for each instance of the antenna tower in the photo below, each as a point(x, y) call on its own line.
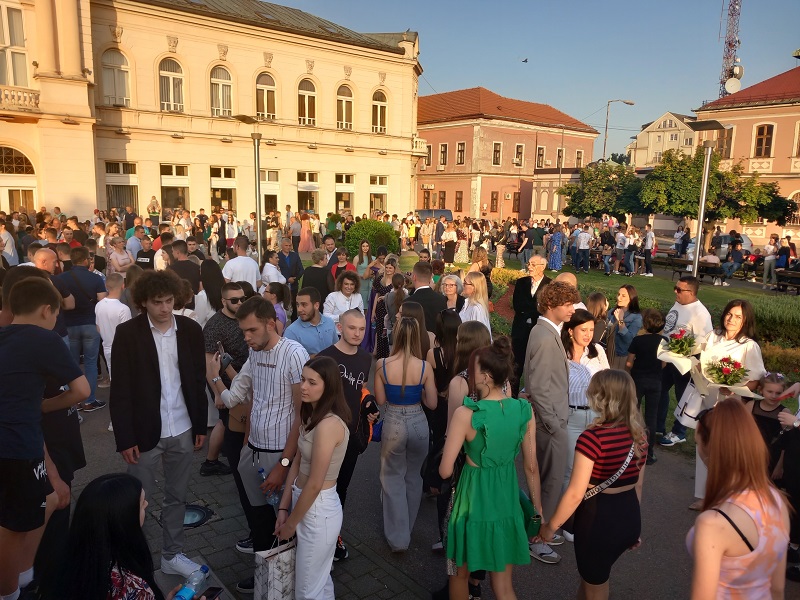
point(731, 45)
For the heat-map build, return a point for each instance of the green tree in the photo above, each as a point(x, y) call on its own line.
point(620, 158)
point(603, 188)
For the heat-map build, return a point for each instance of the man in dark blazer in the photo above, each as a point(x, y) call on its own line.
point(432, 302)
point(292, 268)
point(526, 313)
point(547, 387)
point(329, 245)
point(159, 411)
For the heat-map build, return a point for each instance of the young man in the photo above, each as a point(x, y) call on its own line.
point(584, 245)
point(159, 409)
point(291, 267)
point(354, 365)
point(185, 268)
point(134, 243)
point(547, 386)
point(146, 257)
point(25, 491)
point(270, 381)
point(330, 250)
point(312, 329)
point(649, 244)
point(242, 267)
point(110, 313)
point(194, 250)
point(432, 302)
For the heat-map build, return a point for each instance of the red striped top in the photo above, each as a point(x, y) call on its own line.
point(608, 447)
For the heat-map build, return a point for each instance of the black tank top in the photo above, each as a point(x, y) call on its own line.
point(441, 372)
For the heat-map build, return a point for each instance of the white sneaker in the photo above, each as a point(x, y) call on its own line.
point(570, 537)
point(717, 281)
point(726, 284)
point(178, 565)
point(544, 553)
point(110, 426)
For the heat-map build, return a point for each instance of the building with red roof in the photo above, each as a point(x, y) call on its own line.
point(492, 156)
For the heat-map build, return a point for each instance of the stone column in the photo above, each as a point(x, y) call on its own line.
point(46, 36)
point(69, 38)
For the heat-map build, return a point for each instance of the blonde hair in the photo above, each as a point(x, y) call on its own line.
point(612, 395)
point(480, 294)
point(480, 256)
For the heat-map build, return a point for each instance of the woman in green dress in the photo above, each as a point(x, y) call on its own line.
point(486, 528)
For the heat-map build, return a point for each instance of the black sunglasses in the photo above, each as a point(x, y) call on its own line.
point(236, 300)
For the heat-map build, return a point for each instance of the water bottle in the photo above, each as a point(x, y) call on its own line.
point(193, 584)
point(273, 498)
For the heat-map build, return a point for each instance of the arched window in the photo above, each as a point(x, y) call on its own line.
point(344, 108)
point(306, 103)
point(170, 83)
point(379, 112)
point(116, 79)
point(221, 92)
point(14, 162)
point(265, 96)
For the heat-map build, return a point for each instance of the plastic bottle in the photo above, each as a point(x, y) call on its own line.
point(273, 498)
point(194, 583)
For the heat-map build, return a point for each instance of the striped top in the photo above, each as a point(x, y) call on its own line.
point(579, 378)
point(608, 447)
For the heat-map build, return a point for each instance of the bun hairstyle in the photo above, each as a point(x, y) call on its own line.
point(497, 360)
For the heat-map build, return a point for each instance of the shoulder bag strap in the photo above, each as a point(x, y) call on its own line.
point(739, 531)
point(599, 488)
point(83, 289)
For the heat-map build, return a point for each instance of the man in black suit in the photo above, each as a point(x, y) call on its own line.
point(526, 312)
point(159, 407)
point(329, 244)
point(432, 302)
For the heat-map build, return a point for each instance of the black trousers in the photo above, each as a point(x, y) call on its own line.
point(347, 469)
point(54, 541)
point(296, 242)
point(650, 390)
point(232, 443)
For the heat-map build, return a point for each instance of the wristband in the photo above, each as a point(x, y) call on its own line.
point(216, 379)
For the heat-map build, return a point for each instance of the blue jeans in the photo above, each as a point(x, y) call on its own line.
point(629, 261)
point(85, 340)
point(607, 262)
point(527, 252)
point(583, 260)
point(729, 268)
point(573, 253)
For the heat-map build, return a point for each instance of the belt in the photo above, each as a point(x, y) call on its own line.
point(579, 407)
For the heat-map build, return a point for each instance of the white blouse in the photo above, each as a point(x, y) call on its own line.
point(747, 352)
point(598, 363)
point(472, 311)
point(337, 303)
point(271, 274)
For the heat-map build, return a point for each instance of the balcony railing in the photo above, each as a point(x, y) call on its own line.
point(16, 98)
point(419, 147)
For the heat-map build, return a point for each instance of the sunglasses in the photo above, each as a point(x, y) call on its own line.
point(679, 290)
point(235, 300)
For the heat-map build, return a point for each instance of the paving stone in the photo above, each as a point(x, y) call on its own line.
point(366, 586)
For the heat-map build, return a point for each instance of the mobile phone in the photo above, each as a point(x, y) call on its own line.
point(220, 349)
point(212, 593)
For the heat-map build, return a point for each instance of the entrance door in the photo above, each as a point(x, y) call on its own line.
point(20, 199)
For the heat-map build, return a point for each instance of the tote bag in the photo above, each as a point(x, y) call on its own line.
point(274, 576)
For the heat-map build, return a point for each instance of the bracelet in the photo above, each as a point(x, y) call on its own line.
point(280, 509)
point(216, 379)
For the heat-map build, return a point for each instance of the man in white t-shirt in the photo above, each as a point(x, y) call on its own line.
point(584, 243)
point(109, 313)
point(242, 267)
point(649, 244)
point(690, 314)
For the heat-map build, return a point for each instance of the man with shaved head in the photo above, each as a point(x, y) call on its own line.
point(570, 278)
point(46, 260)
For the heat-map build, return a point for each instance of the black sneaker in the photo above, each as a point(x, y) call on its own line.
point(214, 467)
point(651, 460)
point(793, 555)
point(245, 546)
point(793, 573)
point(93, 406)
point(341, 552)
point(474, 592)
point(246, 586)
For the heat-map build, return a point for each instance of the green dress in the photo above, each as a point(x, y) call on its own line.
point(486, 528)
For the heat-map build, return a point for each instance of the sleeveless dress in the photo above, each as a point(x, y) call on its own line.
point(554, 262)
point(381, 340)
point(749, 577)
point(306, 237)
point(486, 528)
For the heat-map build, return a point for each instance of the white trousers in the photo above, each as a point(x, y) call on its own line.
point(700, 476)
point(316, 541)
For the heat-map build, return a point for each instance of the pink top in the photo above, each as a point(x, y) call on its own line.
point(749, 577)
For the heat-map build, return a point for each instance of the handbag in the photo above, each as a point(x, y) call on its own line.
point(533, 520)
point(689, 406)
point(274, 575)
point(599, 488)
point(365, 431)
point(237, 418)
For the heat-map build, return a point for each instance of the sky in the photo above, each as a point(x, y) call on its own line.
point(663, 55)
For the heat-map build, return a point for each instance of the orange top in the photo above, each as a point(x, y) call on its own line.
point(749, 577)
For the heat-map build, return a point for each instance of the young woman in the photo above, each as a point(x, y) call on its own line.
point(555, 260)
point(476, 308)
point(449, 240)
point(361, 262)
point(394, 301)
point(107, 556)
point(316, 512)
point(597, 304)
point(739, 541)
point(770, 254)
point(120, 259)
point(486, 530)
point(381, 286)
point(481, 264)
point(306, 236)
point(425, 233)
point(403, 383)
point(280, 296)
point(627, 320)
point(426, 338)
point(270, 271)
point(345, 297)
point(463, 245)
point(615, 438)
point(471, 336)
point(317, 275)
point(451, 287)
point(209, 300)
point(342, 263)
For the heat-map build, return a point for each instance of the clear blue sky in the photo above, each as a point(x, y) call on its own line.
point(582, 53)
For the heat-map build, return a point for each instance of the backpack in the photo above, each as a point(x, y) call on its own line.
point(366, 432)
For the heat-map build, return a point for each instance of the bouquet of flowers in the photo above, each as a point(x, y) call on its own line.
point(726, 371)
point(681, 342)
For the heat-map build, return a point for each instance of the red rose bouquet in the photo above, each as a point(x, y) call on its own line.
point(727, 372)
point(681, 342)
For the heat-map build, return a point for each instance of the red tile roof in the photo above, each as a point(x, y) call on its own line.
point(781, 89)
point(480, 103)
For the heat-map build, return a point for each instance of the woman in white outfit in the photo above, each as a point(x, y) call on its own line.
point(734, 338)
point(476, 308)
point(345, 297)
point(316, 512)
point(270, 272)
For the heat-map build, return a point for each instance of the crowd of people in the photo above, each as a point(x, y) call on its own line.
point(266, 366)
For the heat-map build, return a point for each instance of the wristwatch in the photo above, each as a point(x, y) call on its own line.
point(796, 424)
point(285, 462)
point(216, 379)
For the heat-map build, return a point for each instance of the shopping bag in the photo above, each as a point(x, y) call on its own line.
point(689, 407)
point(274, 576)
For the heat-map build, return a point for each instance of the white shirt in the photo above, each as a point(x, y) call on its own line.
point(158, 260)
point(202, 308)
point(693, 317)
point(584, 239)
point(598, 363)
point(472, 311)
point(622, 241)
point(337, 303)
point(174, 415)
point(109, 313)
point(242, 268)
point(271, 274)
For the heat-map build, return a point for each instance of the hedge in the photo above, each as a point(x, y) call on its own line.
point(376, 232)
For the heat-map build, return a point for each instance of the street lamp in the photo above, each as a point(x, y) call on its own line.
point(248, 120)
point(608, 109)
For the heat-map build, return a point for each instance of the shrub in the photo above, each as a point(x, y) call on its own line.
point(377, 233)
point(500, 325)
point(498, 292)
point(506, 276)
point(782, 360)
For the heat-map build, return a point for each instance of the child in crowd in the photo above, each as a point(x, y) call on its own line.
point(766, 411)
point(645, 368)
point(787, 474)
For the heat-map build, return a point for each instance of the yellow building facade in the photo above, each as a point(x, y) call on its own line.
point(129, 99)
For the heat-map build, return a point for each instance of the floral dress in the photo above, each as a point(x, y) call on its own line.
point(462, 246)
point(381, 340)
point(554, 261)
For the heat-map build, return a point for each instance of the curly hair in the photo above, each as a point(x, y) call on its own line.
point(156, 284)
point(557, 293)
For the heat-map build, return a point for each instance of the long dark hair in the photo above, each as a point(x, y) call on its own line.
point(282, 293)
point(105, 532)
point(414, 310)
point(497, 360)
point(332, 400)
point(447, 324)
point(212, 280)
point(748, 329)
point(579, 317)
point(398, 281)
point(633, 304)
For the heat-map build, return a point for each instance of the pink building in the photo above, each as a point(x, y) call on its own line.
point(764, 136)
point(492, 156)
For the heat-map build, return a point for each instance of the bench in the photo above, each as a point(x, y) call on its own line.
point(787, 280)
point(678, 266)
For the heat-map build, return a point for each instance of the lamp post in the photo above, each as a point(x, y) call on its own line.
point(708, 148)
point(608, 109)
point(248, 120)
